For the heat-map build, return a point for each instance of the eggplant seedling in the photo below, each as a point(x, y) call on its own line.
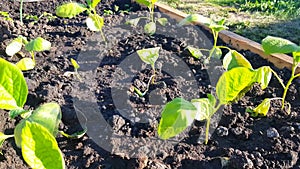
point(150, 27)
point(215, 27)
point(35, 134)
point(271, 45)
point(76, 67)
point(178, 114)
point(148, 56)
point(36, 45)
point(94, 21)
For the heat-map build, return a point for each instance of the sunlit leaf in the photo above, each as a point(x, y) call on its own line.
point(69, 10)
point(37, 45)
point(234, 59)
point(150, 28)
point(196, 53)
point(26, 64)
point(262, 108)
point(162, 21)
point(195, 18)
point(177, 115)
point(133, 22)
point(149, 56)
point(272, 44)
point(95, 22)
point(75, 64)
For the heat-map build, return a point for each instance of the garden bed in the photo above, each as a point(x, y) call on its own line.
point(108, 70)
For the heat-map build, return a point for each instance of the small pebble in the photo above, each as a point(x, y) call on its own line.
point(222, 131)
point(272, 132)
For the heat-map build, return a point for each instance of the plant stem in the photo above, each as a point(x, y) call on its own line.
point(294, 67)
point(207, 130)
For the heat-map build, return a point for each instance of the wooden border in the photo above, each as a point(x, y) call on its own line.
point(236, 41)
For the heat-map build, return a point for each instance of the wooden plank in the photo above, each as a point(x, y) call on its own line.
point(236, 41)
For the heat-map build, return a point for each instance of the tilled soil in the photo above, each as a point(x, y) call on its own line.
point(121, 125)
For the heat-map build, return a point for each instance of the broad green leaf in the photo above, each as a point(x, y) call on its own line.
point(177, 115)
point(15, 112)
point(39, 147)
point(75, 64)
point(70, 10)
point(234, 59)
point(3, 137)
point(296, 56)
point(95, 22)
point(162, 21)
point(150, 28)
point(37, 45)
point(18, 132)
point(196, 53)
point(205, 107)
point(26, 64)
point(48, 115)
point(216, 52)
point(144, 2)
point(263, 76)
point(14, 47)
point(262, 108)
point(219, 26)
point(195, 18)
point(13, 87)
point(133, 22)
point(89, 2)
point(149, 56)
point(95, 3)
point(272, 44)
point(232, 83)
point(74, 135)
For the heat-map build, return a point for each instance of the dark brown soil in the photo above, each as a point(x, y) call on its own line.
point(121, 125)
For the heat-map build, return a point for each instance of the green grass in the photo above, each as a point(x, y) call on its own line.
point(280, 8)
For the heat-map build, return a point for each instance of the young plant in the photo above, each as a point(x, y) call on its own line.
point(215, 27)
point(76, 67)
point(36, 45)
point(94, 21)
point(36, 18)
point(35, 134)
point(178, 114)
point(148, 56)
point(271, 45)
point(150, 27)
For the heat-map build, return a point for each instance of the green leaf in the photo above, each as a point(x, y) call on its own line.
point(16, 112)
point(144, 2)
point(95, 22)
point(70, 10)
point(18, 132)
point(89, 2)
point(75, 64)
point(195, 18)
point(177, 115)
point(162, 21)
point(296, 56)
point(205, 107)
point(26, 64)
point(13, 87)
point(150, 28)
point(233, 83)
point(219, 26)
point(196, 53)
point(234, 59)
point(14, 47)
point(263, 76)
point(272, 44)
point(149, 56)
point(133, 22)
point(262, 108)
point(216, 52)
point(37, 45)
point(39, 147)
point(48, 115)
point(74, 135)
point(95, 3)
point(3, 137)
